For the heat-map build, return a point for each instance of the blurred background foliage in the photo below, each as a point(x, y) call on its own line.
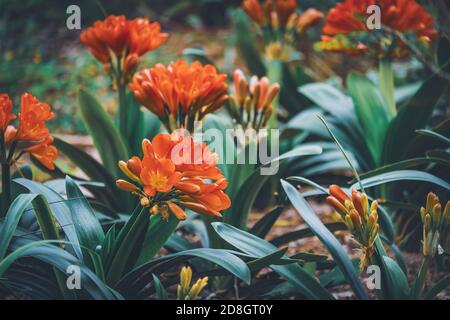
point(39, 54)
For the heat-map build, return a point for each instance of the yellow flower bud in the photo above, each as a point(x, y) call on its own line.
point(123, 166)
point(197, 288)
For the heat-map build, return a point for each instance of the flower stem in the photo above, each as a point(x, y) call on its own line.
point(6, 179)
point(387, 84)
point(123, 125)
point(418, 284)
point(275, 74)
point(6, 188)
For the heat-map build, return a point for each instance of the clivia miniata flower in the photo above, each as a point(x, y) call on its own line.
point(119, 43)
point(180, 93)
point(280, 24)
point(176, 173)
point(436, 222)
point(31, 136)
point(251, 104)
point(348, 20)
point(360, 217)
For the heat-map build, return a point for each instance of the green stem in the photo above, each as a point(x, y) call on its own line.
point(6, 188)
point(6, 178)
point(387, 86)
point(275, 74)
point(418, 284)
point(123, 118)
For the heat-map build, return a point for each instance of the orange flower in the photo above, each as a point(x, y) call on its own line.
point(32, 135)
point(145, 36)
point(5, 111)
point(255, 11)
point(126, 39)
point(167, 185)
point(251, 106)
point(109, 34)
point(157, 174)
point(405, 16)
point(360, 217)
point(284, 9)
point(309, 18)
point(44, 152)
point(180, 93)
point(32, 117)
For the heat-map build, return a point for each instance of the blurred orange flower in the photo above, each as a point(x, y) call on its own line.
point(180, 93)
point(404, 16)
point(127, 40)
point(168, 179)
point(32, 135)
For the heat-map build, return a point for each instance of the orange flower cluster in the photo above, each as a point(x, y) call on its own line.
point(360, 217)
point(31, 136)
point(251, 105)
point(348, 20)
point(117, 38)
point(180, 93)
point(280, 14)
point(280, 23)
point(176, 173)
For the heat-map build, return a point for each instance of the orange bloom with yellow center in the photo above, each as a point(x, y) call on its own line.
point(404, 16)
point(167, 180)
point(32, 135)
point(180, 93)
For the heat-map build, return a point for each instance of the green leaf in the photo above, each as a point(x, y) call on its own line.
point(326, 237)
point(263, 226)
point(275, 258)
point(304, 233)
point(371, 109)
point(160, 290)
point(401, 175)
point(47, 223)
point(158, 232)
point(294, 273)
point(60, 211)
point(414, 114)
point(438, 287)
point(12, 218)
point(221, 257)
point(87, 226)
point(405, 164)
point(398, 287)
point(128, 242)
point(247, 193)
point(107, 139)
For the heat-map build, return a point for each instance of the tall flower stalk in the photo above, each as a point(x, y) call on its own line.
point(118, 44)
point(30, 137)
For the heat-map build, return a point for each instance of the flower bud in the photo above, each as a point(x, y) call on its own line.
point(126, 186)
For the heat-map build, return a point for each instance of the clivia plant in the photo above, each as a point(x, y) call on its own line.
point(157, 213)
